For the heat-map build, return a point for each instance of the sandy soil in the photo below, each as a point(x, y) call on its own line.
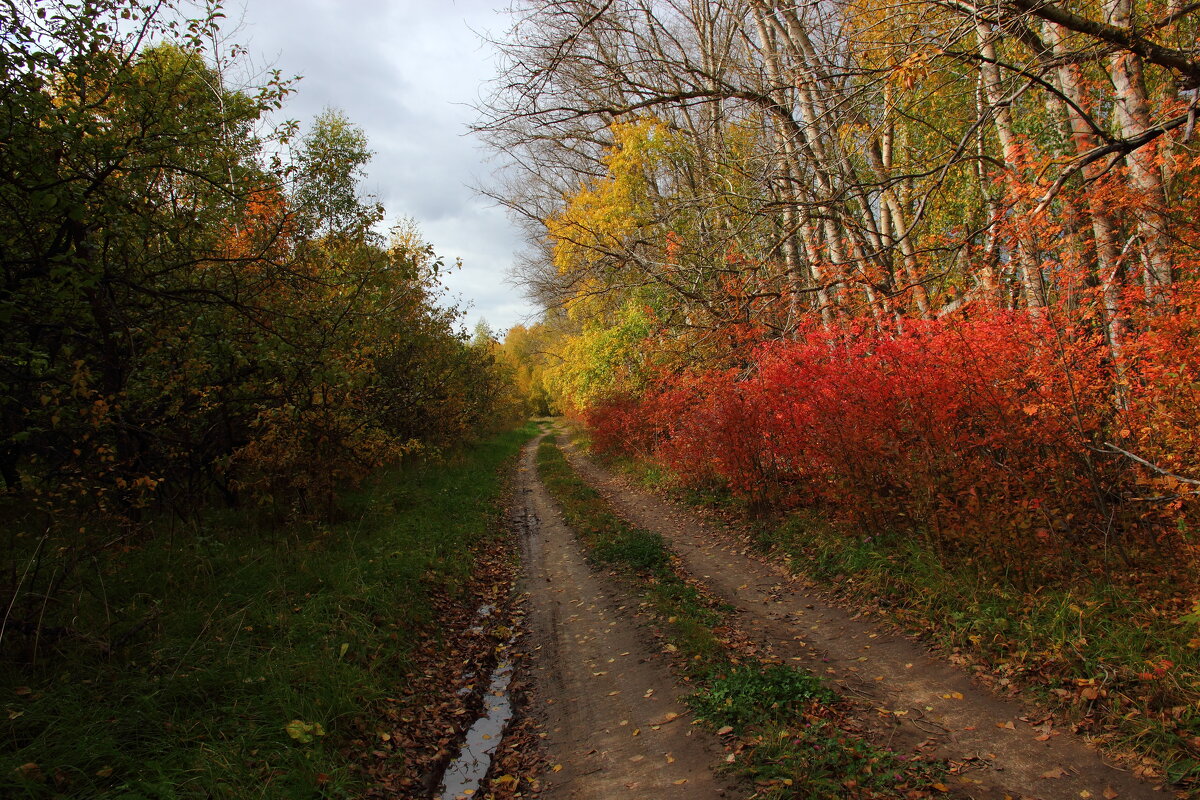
point(909, 696)
point(602, 691)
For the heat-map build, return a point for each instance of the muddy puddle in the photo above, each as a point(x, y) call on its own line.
point(467, 770)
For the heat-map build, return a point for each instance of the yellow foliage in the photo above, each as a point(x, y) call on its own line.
point(603, 360)
point(599, 218)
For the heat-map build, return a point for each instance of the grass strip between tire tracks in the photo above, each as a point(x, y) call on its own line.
point(791, 739)
point(1110, 659)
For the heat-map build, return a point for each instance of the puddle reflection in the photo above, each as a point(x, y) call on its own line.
point(467, 770)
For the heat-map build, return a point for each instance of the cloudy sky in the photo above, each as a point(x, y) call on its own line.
point(407, 72)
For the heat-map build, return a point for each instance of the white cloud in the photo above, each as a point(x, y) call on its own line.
point(406, 71)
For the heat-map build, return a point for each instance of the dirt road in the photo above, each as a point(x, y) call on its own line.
point(603, 691)
point(921, 698)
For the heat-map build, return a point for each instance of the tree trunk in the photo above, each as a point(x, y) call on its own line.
point(1027, 251)
point(1132, 113)
point(1104, 227)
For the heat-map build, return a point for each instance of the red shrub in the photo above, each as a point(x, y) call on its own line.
point(988, 431)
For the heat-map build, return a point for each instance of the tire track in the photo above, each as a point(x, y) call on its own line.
point(917, 698)
point(603, 692)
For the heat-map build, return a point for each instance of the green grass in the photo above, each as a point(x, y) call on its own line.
point(818, 761)
point(611, 541)
point(784, 715)
point(796, 750)
point(214, 638)
point(751, 695)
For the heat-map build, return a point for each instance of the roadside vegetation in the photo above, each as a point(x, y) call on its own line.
point(241, 660)
point(230, 412)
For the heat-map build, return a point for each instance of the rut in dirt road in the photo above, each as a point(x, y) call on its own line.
point(603, 692)
point(997, 753)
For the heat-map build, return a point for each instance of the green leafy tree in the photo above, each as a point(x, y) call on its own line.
point(331, 164)
point(182, 317)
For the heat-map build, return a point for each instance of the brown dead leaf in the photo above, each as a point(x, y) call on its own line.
point(30, 771)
